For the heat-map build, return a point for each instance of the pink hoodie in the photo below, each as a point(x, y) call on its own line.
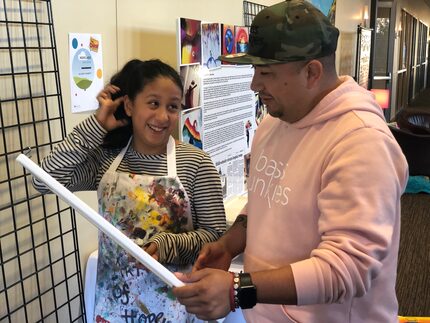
point(324, 196)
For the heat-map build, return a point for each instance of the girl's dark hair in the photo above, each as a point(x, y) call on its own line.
point(131, 80)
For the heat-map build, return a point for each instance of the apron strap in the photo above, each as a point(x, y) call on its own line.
point(171, 158)
point(120, 156)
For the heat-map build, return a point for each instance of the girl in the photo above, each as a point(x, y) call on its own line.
point(165, 195)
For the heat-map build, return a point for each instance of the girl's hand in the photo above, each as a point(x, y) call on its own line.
point(152, 250)
point(107, 107)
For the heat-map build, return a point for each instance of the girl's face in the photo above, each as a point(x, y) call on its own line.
point(154, 114)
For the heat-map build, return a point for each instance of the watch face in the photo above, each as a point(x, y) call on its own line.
point(247, 296)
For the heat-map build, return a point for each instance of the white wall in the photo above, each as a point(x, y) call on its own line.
point(147, 29)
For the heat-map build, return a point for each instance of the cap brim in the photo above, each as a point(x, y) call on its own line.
point(246, 59)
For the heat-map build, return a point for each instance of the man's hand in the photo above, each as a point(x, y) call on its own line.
point(213, 255)
point(206, 293)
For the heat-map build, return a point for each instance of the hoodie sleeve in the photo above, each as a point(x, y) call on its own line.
point(363, 178)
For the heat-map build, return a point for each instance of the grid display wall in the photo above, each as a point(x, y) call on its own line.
point(40, 274)
point(250, 10)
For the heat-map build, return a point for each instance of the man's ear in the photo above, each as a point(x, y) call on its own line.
point(315, 71)
point(128, 105)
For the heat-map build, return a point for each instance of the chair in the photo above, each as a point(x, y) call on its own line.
point(413, 137)
point(415, 120)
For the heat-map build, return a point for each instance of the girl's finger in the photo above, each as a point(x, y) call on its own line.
point(112, 88)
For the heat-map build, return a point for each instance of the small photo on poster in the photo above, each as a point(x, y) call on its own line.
point(246, 167)
point(227, 40)
point(190, 41)
point(223, 178)
point(191, 127)
point(192, 84)
point(241, 39)
point(249, 133)
point(211, 44)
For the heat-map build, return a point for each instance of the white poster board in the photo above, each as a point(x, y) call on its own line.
point(228, 108)
point(363, 56)
point(220, 112)
point(86, 71)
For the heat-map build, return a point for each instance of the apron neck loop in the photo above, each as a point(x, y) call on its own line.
point(171, 157)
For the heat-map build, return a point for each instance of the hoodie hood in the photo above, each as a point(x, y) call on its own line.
point(347, 97)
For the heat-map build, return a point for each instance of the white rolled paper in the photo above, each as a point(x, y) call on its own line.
point(101, 223)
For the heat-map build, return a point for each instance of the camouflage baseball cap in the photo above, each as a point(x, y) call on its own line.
point(293, 30)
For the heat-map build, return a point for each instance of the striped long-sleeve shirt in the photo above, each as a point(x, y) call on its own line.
point(79, 162)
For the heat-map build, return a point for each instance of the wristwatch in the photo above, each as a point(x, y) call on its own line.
point(246, 291)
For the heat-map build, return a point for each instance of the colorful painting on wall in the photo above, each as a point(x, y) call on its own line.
point(192, 84)
point(211, 44)
point(190, 41)
point(227, 40)
point(192, 127)
point(241, 39)
point(327, 7)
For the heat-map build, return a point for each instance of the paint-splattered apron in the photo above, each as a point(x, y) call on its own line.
point(140, 206)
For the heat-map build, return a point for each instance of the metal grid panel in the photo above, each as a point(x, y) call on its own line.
point(250, 10)
point(40, 274)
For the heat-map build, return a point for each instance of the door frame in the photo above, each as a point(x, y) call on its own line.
point(375, 4)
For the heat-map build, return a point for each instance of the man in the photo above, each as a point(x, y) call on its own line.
point(320, 231)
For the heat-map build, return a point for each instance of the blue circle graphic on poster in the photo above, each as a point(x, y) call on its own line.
point(229, 41)
point(83, 69)
point(75, 43)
